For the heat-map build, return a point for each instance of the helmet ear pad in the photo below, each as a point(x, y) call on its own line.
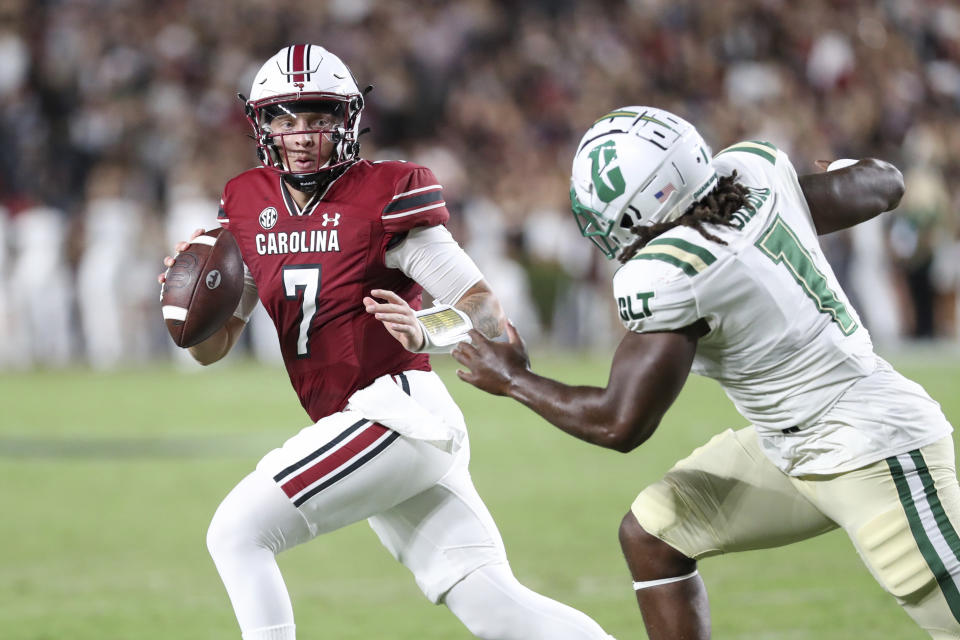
point(628, 220)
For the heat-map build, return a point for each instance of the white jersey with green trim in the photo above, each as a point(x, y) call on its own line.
point(784, 342)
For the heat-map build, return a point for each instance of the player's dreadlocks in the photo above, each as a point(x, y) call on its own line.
point(717, 207)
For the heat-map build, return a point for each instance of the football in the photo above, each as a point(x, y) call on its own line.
point(202, 288)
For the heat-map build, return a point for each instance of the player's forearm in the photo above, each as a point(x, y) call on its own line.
point(581, 411)
point(484, 311)
point(846, 197)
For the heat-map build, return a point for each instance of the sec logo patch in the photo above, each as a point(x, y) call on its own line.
point(268, 218)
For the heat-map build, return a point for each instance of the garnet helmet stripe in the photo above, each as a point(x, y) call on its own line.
point(298, 62)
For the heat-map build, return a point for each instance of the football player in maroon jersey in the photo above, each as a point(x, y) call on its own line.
point(338, 250)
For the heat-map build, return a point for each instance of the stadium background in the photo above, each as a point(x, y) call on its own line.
point(119, 125)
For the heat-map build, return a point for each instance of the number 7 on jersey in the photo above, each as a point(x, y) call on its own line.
point(780, 243)
point(303, 280)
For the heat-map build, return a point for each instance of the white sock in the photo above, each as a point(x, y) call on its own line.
point(495, 606)
point(283, 632)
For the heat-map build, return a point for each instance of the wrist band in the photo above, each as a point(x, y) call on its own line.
point(443, 327)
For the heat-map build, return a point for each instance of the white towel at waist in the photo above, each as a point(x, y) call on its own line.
point(385, 402)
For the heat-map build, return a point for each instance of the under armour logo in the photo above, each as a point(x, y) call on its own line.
point(335, 219)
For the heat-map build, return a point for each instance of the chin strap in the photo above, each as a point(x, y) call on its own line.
point(315, 182)
point(637, 586)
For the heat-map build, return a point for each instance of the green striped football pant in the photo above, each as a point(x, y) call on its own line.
point(902, 514)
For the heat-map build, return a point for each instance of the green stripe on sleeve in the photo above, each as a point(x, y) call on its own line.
point(687, 268)
point(689, 247)
point(764, 143)
point(764, 150)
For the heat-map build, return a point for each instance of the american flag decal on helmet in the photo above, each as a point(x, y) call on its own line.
point(664, 193)
point(350, 450)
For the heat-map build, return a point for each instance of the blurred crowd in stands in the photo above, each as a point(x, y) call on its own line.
point(120, 123)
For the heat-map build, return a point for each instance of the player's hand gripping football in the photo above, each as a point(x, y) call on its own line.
point(397, 317)
point(492, 365)
point(183, 245)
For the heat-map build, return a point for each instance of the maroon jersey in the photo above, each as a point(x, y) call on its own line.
point(313, 267)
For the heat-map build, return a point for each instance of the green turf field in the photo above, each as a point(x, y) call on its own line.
point(108, 481)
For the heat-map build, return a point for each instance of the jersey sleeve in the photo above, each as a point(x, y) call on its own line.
point(434, 260)
point(761, 164)
point(788, 180)
point(654, 296)
point(417, 201)
point(222, 216)
point(249, 297)
point(755, 161)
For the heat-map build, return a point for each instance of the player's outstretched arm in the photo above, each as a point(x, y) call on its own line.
point(478, 302)
point(483, 308)
point(647, 373)
point(845, 197)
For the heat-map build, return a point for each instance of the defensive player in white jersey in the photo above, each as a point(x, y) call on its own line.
point(723, 275)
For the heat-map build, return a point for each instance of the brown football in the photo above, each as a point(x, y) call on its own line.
point(202, 288)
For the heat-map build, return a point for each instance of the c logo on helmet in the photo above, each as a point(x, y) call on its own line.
point(605, 171)
point(268, 218)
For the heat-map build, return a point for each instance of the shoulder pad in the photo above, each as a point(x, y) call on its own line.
point(758, 148)
point(416, 199)
point(688, 257)
point(654, 296)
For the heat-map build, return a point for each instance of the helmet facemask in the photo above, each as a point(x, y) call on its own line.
point(274, 121)
point(608, 235)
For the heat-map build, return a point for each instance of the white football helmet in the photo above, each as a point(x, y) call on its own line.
point(636, 165)
point(300, 78)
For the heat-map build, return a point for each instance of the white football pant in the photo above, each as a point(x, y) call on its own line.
point(418, 498)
